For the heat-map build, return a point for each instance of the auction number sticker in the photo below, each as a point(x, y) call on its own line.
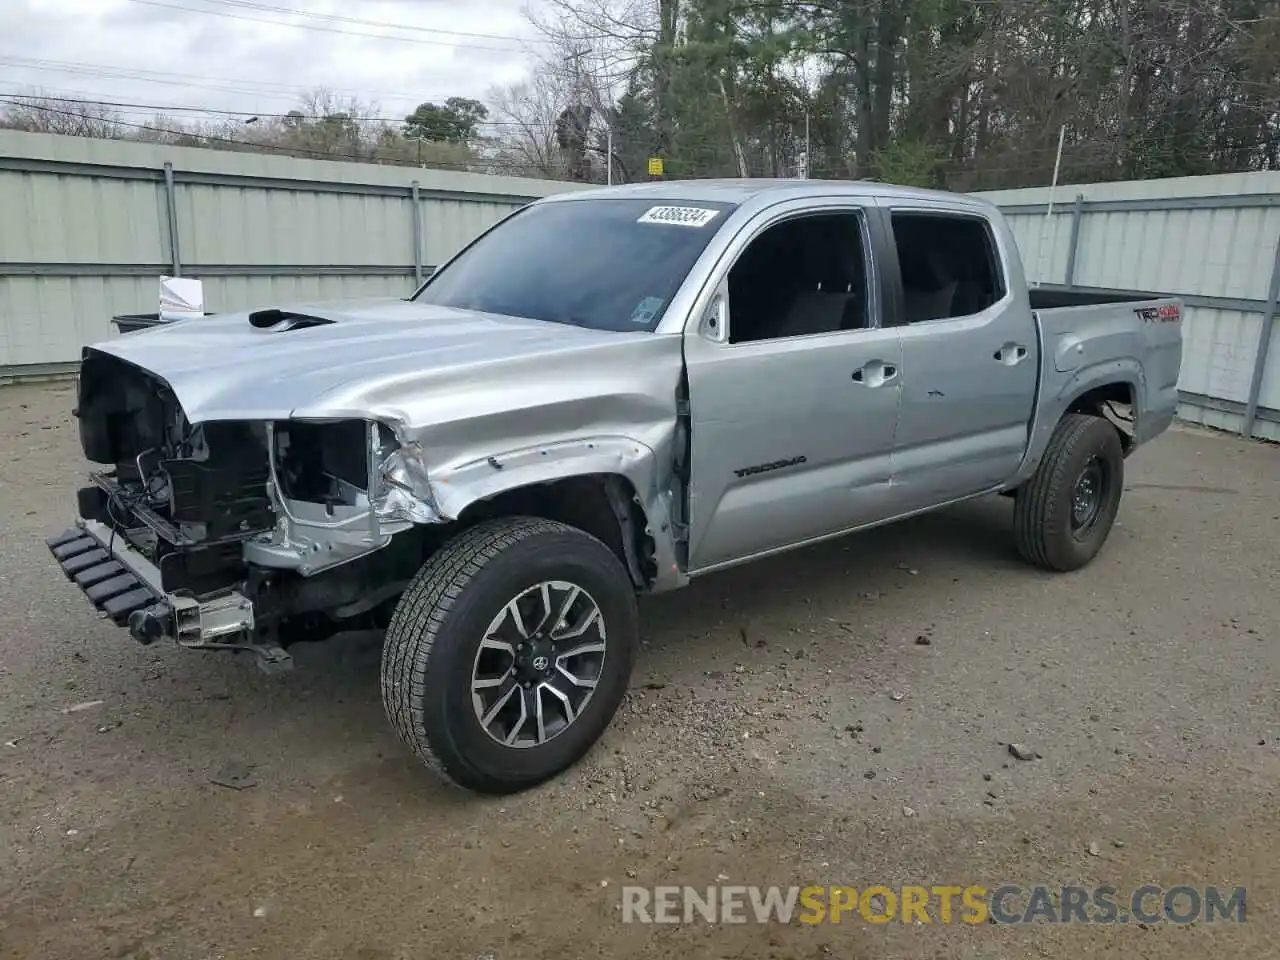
point(683, 216)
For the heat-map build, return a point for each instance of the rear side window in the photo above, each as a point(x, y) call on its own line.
point(949, 265)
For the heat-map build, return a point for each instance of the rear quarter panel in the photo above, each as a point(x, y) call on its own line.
point(1138, 344)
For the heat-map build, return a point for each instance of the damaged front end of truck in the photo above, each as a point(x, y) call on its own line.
point(239, 534)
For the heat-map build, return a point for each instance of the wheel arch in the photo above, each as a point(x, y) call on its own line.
point(1098, 401)
point(608, 486)
point(605, 505)
point(1090, 391)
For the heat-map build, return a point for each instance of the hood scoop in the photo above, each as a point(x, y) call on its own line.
point(281, 321)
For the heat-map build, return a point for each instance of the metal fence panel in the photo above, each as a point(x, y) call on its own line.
point(1269, 392)
point(295, 289)
point(1044, 243)
point(56, 218)
point(46, 320)
point(448, 225)
point(256, 225)
point(1217, 253)
point(1217, 356)
point(88, 226)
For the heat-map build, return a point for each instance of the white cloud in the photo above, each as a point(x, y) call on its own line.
point(167, 52)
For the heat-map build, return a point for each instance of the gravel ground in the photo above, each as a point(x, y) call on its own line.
point(788, 724)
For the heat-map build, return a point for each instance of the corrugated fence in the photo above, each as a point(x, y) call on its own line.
point(1214, 241)
point(87, 226)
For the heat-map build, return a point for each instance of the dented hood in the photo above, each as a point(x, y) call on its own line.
point(351, 358)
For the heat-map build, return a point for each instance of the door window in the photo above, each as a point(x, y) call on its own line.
point(804, 276)
point(948, 264)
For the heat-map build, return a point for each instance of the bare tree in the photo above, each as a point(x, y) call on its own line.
point(606, 39)
point(525, 114)
point(36, 113)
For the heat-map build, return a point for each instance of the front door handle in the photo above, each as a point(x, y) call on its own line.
point(1010, 354)
point(875, 373)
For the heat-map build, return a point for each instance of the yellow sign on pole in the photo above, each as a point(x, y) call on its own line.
point(655, 166)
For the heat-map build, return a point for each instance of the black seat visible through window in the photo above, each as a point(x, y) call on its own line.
point(928, 286)
point(948, 266)
point(803, 276)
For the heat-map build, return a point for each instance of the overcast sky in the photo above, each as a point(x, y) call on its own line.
point(244, 55)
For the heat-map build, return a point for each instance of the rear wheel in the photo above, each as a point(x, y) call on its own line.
point(1064, 513)
point(510, 652)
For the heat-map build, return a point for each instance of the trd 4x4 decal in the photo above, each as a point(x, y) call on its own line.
point(1165, 313)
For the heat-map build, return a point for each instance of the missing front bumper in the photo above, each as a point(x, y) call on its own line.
point(103, 571)
point(126, 588)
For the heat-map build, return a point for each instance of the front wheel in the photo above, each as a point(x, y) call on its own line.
point(1064, 513)
point(509, 653)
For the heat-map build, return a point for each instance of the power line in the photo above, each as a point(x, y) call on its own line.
point(261, 88)
point(154, 108)
point(134, 107)
point(327, 29)
point(104, 71)
point(337, 18)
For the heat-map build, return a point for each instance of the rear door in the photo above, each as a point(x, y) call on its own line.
point(970, 353)
point(793, 386)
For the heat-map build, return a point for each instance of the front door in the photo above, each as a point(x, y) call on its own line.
point(793, 408)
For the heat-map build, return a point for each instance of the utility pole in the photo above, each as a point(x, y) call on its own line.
point(581, 125)
point(806, 143)
point(1053, 189)
point(418, 139)
point(582, 96)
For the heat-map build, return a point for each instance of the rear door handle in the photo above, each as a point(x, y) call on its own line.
point(875, 373)
point(1010, 354)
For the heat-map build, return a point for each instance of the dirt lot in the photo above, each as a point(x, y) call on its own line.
point(787, 726)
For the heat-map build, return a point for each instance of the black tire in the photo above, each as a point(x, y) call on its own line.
point(1046, 525)
point(433, 643)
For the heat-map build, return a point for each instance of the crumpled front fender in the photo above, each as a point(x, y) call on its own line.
point(456, 489)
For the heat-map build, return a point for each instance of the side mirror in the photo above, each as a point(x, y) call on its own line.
point(715, 324)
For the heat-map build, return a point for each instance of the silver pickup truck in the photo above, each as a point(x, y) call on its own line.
point(608, 393)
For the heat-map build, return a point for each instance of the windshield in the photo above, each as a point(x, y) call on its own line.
point(603, 264)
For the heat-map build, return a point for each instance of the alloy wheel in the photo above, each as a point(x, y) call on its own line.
point(538, 664)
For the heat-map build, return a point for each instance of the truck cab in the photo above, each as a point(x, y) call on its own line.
point(889, 361)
